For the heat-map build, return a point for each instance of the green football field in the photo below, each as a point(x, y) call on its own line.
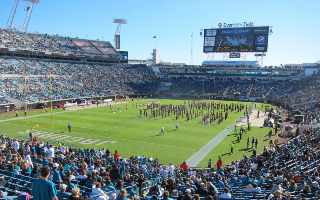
point(122, 128)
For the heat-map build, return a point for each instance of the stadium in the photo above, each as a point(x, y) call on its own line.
point(80, 119)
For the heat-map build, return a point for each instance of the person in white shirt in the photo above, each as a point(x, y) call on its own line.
point(29, 160)
point(252, 188)
point(112, 196)
point(51, 152)
point(45, 150)
point(62, 149)
point(97, 193)
point(226, 194)
point(16, 145)
point(171, 170)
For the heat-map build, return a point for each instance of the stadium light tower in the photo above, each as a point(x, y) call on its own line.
point(28, 10)
point(12, 14)
point(29, 13)
point(119, 23)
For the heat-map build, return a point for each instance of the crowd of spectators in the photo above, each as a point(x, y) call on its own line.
point(35, 80)
point(54, 44)
point(301, 94)
point(39, 80)
point(288, 171)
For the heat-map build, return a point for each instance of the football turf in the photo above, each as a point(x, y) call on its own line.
point(129, 133)
point(239, 148)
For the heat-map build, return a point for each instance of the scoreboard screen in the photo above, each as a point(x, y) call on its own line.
point(242, 39)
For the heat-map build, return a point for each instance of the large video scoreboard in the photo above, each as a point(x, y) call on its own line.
point(239, 39)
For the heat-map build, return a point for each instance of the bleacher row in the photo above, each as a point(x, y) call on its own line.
point(17, 185)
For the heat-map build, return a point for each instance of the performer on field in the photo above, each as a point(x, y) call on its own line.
point(69, 126)
point(177, 126)
point(162, 131)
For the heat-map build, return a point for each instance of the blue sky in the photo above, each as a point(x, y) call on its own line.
point(296, 24)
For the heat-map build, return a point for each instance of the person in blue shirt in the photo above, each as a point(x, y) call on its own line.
point(56, 175)
point(42, 188)
point(122, 168)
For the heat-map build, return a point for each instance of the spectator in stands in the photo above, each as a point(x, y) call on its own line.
point(42, 188)
point(76, 195)
point(97, 193)
point(226, 194)
point(16, 145)
point(123, 195)
point(184, 166)
point(219, 163)
point(56, 175)
point(116, 156)
point(166, 196)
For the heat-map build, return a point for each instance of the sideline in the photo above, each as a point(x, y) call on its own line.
point(198, 156)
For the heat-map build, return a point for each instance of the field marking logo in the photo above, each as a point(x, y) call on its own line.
point(71, 139)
